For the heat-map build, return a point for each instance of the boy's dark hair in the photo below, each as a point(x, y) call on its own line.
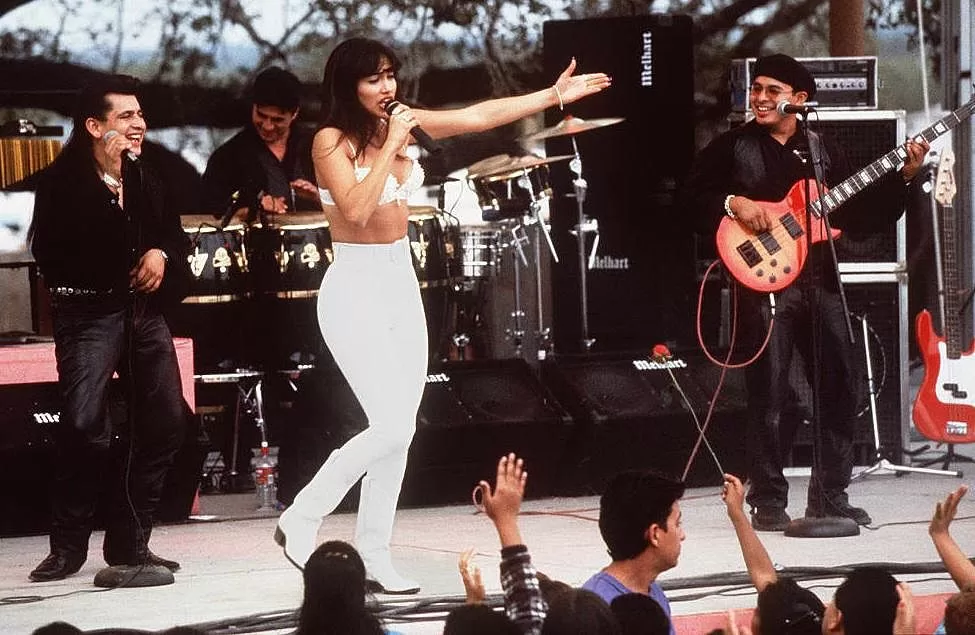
point(868, 601)
point(960, 613)
point(578, 612)
point(640, 614)
point(786, 608)
point(276, 87)
point(478, 619)
point(633, 501)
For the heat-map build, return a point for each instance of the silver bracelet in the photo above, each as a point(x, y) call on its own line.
point(727, 206)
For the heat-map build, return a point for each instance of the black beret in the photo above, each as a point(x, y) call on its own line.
point(788, 71)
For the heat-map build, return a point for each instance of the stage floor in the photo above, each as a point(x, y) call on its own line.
point(232, 568)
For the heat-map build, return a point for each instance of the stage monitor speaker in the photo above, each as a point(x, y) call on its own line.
point(472, 412)
point(640, 276)
point(29, 413)
point(630, 414)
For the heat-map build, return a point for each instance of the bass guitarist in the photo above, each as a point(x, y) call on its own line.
point(761, 161)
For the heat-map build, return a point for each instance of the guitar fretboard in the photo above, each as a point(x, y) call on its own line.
point(893, 159)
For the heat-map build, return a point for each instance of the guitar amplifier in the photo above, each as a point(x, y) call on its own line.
point(842, 83)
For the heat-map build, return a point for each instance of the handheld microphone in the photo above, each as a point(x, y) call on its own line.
point(131, 156)
point(231, 208)
point(785, 108)
point(426, 141)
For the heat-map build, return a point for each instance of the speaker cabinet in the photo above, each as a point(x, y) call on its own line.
point(881, 300)
point(471, 414)
point(630, 413)
point(29, 413)
point(640, 278)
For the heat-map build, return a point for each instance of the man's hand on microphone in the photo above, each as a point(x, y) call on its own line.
point(750, 214)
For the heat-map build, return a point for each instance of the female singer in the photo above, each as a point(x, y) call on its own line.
point(369, 306)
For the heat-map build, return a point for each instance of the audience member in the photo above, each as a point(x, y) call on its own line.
point(784, 607)
point(578, 612)
point(639, 614)
point(864, 604)
point(960, 614)
point(478, 619)
point(523, 599)
point(335, 593)
point(640, 522)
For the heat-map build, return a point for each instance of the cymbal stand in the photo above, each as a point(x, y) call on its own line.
point(580, 186)
point(883, 463)
point(541, 229)
point(517, 238)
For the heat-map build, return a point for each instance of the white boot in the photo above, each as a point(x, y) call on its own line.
point(297, 530)
point(373, 531)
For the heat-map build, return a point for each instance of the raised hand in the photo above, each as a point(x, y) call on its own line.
point(575, 87)
point(944, 512)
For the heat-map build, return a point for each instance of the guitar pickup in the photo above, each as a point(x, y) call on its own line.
point(955, 390)
point(769, 242)
point(748, 253)
point(956, 428)
point(791, 225)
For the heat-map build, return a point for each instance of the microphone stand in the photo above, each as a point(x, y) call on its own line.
point(826, 527)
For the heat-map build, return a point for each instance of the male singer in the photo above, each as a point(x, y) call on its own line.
point(760, 161)
point(268, 163)
point(107, 247)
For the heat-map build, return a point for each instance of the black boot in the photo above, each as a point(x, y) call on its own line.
point(58, 565)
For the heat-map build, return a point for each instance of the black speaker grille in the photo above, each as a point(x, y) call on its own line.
point(864, 142)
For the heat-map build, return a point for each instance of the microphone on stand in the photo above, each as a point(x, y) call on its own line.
point(231, 208)
point(785, 108)
point(426, 141)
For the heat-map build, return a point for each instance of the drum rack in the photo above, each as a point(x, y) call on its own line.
point(250, 401)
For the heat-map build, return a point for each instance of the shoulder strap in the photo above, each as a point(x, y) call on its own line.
point(355, 154)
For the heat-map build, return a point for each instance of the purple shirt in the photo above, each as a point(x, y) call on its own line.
point(608, 587)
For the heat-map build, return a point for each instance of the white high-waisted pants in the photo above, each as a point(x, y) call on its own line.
point(372, 319)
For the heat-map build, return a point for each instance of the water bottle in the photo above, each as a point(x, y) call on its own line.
point(265, 480)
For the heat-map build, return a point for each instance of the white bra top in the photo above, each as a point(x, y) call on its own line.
point(393, 190)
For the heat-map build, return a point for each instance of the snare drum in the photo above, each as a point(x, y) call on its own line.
point(217, 261)
point(289, 255)
point(510, 194)
point(433, 244)
point(479, 247)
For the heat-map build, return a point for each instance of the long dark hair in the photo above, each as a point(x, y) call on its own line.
point(335, 593)
point(349, 62)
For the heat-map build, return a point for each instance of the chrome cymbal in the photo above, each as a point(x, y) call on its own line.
point(489, 165)
point(571, 126)
point(520, 164)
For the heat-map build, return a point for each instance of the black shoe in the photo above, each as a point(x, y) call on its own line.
point(57, 566)
point(838, 509)
point(769, 519)
point(151, 560)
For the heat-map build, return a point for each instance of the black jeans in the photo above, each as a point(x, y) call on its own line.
point(94, 338)
point(773, 409)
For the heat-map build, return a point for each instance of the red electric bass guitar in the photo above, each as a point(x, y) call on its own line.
point(944, 410)
point(771, 261)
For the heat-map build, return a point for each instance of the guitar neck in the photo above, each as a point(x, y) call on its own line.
point(853, 185)
point(949, 252)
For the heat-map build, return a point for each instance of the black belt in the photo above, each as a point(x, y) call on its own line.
point(81, 292)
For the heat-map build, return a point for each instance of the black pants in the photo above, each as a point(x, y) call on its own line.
point(810, 320)
point(93, 339)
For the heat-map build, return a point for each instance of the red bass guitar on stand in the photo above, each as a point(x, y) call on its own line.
point(944, 410)
point(772, 260)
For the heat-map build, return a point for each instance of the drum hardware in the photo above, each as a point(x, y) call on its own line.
point(590, 227)
point(571, 126)
point(250, 401)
